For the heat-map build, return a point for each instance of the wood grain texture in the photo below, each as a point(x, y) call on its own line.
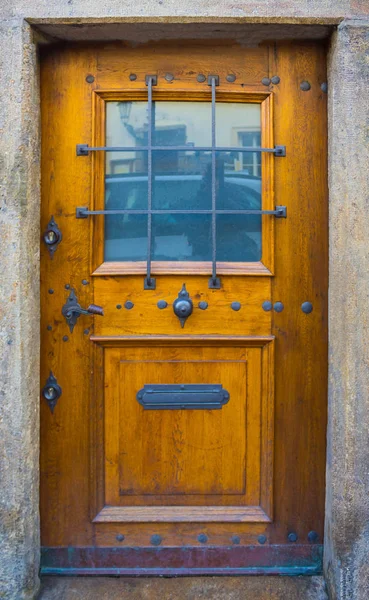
point(280, 439)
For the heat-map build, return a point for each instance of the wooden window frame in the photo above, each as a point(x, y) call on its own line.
point(100, 267)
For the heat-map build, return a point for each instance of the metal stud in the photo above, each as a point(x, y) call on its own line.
point(86, 331)
point(162, 304)
point(133, 76)
point(168, 77)
point(90, 78)
point(278, 307)
point(292, 537)
point(85, 282)
point(156, 539)
point(275, 79)
point(236, 306)
point(306, 307)
point(305, 86)
point(67, 286)
point(262, 539)
point(51, 291)
point(65, 338)
point(313, 536)
point(267, 305)
point(119, 306)
point(128, 305)
point(120, 537)
point(201, 78)
point(49, 328)
point(231, 78)
point(203, 305)
point(265, 81)
point(202, 538)
point(324, 87)
point(236, 539)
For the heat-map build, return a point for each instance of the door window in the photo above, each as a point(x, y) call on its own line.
point(181, 183)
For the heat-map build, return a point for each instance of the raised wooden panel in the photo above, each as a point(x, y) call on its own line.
point(187, 458)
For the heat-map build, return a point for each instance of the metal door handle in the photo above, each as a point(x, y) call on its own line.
point(72, 310)
point(183, 305)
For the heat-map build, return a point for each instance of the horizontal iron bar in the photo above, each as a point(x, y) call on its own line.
point(83, 212)
point(84, 149)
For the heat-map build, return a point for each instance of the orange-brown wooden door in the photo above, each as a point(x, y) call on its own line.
point(172, 445)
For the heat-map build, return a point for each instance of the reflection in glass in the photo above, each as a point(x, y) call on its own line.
point(125, 237)
point(238, 238)
point(237, 187)
point(126, 180)
point(182, 180)
point(182, 237)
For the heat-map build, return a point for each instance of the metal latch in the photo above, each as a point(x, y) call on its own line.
point(72, 310)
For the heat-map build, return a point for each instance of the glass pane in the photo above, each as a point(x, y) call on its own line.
point(126, 180)
point(182, 180)
point(181, 237)
point(175, 124)
point(182, 124)
point(238, 238)
point(237, 187)
point(234, 120)
point(125, 237)
point(126, 124)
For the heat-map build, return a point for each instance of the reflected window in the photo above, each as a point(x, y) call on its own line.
point(182, 181)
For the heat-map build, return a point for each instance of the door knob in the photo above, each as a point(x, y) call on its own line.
point(183, 305)
point(72, 310)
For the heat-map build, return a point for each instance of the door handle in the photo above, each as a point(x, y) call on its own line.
point(72, 310)
point(183, 305)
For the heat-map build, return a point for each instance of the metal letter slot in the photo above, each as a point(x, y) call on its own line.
point(187, 396)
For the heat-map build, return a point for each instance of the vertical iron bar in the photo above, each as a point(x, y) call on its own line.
point(150, 282)
point(214, 281)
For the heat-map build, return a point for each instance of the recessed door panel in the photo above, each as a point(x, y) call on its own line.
point(184, 457)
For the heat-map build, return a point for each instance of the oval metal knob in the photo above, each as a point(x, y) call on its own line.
point(183, 305)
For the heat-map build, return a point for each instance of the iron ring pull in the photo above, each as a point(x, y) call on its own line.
point(72, 310)
point(183, 305)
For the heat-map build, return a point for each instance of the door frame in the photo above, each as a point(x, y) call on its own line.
point(26, 252)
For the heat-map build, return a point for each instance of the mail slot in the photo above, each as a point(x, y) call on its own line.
point(182, 396)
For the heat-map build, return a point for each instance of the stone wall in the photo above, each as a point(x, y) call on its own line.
point(19, 311)
point(347, 497)
point(347, 543)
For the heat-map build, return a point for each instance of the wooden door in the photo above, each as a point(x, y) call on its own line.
point(183, 431)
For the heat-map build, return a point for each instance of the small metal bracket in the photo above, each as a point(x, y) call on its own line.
point(150, 283)
point(214, 283)
point(82, 150)
point(82, 211)
point(280, 212)
point(212, 78)
point(72, 310)
point(279, 150)
point(51, 391)
point(154, 79)
point(52, 236)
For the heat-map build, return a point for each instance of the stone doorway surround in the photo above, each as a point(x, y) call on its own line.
point(345, 25)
